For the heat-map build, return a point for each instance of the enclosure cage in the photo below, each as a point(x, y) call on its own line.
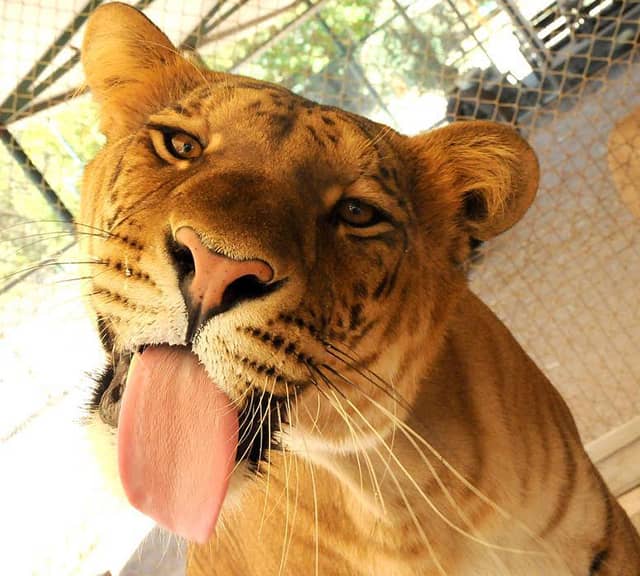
point(565, 280)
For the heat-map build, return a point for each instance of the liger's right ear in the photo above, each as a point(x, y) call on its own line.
point(483, 175)
point(131, 67)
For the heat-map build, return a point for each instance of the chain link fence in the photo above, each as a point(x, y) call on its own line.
point(565, 73)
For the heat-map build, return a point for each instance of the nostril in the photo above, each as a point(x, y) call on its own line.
point(244, 288)
point(212, 283)
point(182, 259)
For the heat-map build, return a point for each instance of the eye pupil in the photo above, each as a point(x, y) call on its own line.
point(171, 143)
point(184, 146)
point(358, 214)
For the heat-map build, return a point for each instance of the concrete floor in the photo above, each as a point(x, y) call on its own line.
point(565, 279)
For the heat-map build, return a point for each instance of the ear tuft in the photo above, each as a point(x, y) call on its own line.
point(131, 67)
point(484, 171)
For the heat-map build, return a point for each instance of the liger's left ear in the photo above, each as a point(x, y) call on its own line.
point(483, 172)
point(131, 67)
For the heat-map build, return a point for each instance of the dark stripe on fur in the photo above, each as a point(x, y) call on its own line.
point(604, 545)
point(597, 562)
point(567, 490)
point(114, 178)
point(315, 136)
point(282, 125)
point(259, 419)
point(385, 187)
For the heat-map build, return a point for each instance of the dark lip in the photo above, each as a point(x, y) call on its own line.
point(259, 418)
point(107, 394)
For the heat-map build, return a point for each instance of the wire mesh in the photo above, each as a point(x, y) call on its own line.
point(565, 73)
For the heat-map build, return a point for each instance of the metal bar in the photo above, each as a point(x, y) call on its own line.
point(286, 29)
point(17, 103)
point(28, 110)
point(384, 24)
point(356, 67)
point(471, 32)
point(525, 28)
point(194, 37)
point(209, 27)
point(33, 174)
point(142, 4)
point(569, 50)
point(55, 75)
point(408, 21)
point(48, 103)
point(464, 53)
point(23, 94)
point(431, 60)
point(249, 23)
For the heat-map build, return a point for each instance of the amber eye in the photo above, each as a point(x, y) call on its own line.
point(182, 145)
point(173, 144)
point(357, 213)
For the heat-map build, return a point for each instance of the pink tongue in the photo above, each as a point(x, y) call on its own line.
point(177, 441)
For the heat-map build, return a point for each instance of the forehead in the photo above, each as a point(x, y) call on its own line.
point(252, 111)
point(248, 125)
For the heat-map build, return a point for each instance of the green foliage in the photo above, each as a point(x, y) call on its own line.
point(300, 56)
point(418, 48)
point(329, 57)
point(60, 142)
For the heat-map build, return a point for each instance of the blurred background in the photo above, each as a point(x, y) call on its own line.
point(565, 280)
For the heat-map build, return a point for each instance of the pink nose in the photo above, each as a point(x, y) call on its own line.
point(215, 283)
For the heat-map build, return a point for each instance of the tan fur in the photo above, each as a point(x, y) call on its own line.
point(622, 157)
point(421, 439)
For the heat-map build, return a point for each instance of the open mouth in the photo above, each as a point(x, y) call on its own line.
point(180, 437)
point(260, 416)
point(110, 384)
